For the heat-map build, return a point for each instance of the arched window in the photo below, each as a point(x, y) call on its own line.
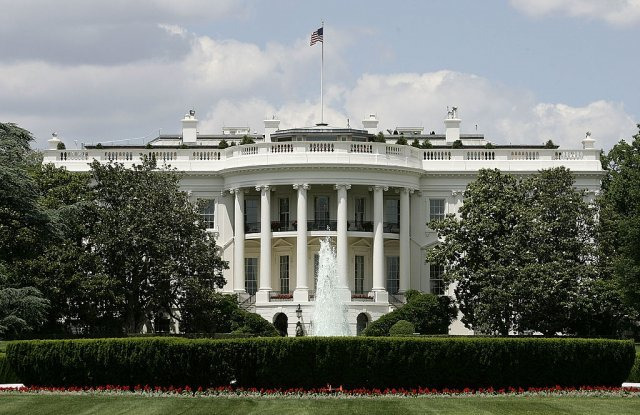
point(281, 322)
point(361, 322)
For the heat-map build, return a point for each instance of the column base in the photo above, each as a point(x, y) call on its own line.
point(381, 296)
point(262, 296)
point(301, 295)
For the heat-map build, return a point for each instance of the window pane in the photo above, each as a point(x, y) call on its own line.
point(284, 274)
point(436, 209)
point(251, 275)
point(436, 283)
point(207, 213)
point(359, 274)
point(392, 211)
point(322, 210)
point(393, 274)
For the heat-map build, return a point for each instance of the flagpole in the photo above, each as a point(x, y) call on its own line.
point(321, 79)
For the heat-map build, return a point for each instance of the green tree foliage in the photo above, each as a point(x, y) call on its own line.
point(223, 144)
point(246, 140)
point(457, 144)
point(24, 225)
point(151, 243)
point(21, 311)
point(379, 138)
point(522, 254)
point(415, 143)
point(429, 314)
point(205, 311)
point(619, 227)
point(401, 140)
point(426, 144)
point(401, 328)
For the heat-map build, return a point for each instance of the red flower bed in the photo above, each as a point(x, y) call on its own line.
point(329, 391)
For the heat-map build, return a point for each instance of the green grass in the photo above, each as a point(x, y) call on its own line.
point(70, 404)
point(3, 346)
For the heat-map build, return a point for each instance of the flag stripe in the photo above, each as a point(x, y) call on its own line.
point(317, 36)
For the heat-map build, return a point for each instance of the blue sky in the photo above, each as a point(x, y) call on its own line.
point(523, 71)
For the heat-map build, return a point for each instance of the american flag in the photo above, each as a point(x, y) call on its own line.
point(316, 36)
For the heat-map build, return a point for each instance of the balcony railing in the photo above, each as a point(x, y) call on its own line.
point(282, 226)
point(341, 152)
point(322, 225)
point(391, 227)
point(251, 227)
point(359, 226)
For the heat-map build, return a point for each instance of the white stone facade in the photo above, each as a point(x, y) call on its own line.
point(272, 202)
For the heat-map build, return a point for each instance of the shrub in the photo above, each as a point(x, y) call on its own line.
point(429, 313)
point(253, 324)
point(61, 146)
point(426, 143)
point(401, 140)
point(457, 144)
point(7, 375)
point(246, 140)
point(415, 143)
point(401, 328)
point(223, 144)
point(634, 375)
point(309, 362)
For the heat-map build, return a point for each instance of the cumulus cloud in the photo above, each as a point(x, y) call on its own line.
point(230, 82)
point(614, 12)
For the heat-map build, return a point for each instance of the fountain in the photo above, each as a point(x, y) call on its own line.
point(330, 313)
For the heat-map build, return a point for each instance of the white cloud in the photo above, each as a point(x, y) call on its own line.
point(230, 82)
point(614, 12)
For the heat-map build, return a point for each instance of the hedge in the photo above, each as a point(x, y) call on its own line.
point(309, 362)
point(634, 375)
point(6, 374)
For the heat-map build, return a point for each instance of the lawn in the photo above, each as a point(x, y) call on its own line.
point(71, 404)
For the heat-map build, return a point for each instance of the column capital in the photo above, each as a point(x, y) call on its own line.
point(338, 186)
point(409, 190)
point(383, 188)
point(304, 186)
point(235, 190)
point(262, 187)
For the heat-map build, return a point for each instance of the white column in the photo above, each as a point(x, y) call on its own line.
point(301, 292)
point(265, 239)
point(405, 264)
point(378, 244)
point(342, 247)
point(238, 241)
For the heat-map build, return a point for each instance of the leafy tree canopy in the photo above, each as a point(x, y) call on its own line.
point(521, 254)
point(619, 226)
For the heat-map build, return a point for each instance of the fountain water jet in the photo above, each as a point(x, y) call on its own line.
point(329, 314)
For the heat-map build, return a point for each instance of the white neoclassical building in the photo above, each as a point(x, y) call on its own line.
point(269, 203)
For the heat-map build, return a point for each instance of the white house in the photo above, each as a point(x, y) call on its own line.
point(270, 203)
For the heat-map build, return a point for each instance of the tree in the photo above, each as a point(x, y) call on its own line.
point(223, 144)
point(415, 143)
point(619, 225)
point(428, 313)
point(401, 140)
point(246, 140)
point(521, 253)
point(148, 235)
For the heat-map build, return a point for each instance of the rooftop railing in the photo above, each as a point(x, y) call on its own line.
point(334, 152)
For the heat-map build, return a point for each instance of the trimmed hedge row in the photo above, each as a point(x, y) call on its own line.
point(634, 375)
point(316, 361)
point(6, 374)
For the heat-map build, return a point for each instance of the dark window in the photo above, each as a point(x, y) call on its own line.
point(393, 274)
point(436, 283)
point(250, 275)
point(284, 274)
point(436, 209)
point(207, 213)
point(359, 274)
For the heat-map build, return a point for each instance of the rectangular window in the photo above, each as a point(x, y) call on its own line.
point(251, 216)
point(393, 274)
point(359, 274)
point(316, 267)
point(321, 212)
point(284, 213)
point(284, 274)
point(392, 215)
point(251, 275)
point(436, 209)
point(436, 283)
point(359, 209)
point(207, 213)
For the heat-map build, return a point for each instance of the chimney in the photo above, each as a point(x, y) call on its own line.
point(588, 143)
point(452, 125)
point(54, 141)
point(371, 124)
point(189, 127)
point(270, 127)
